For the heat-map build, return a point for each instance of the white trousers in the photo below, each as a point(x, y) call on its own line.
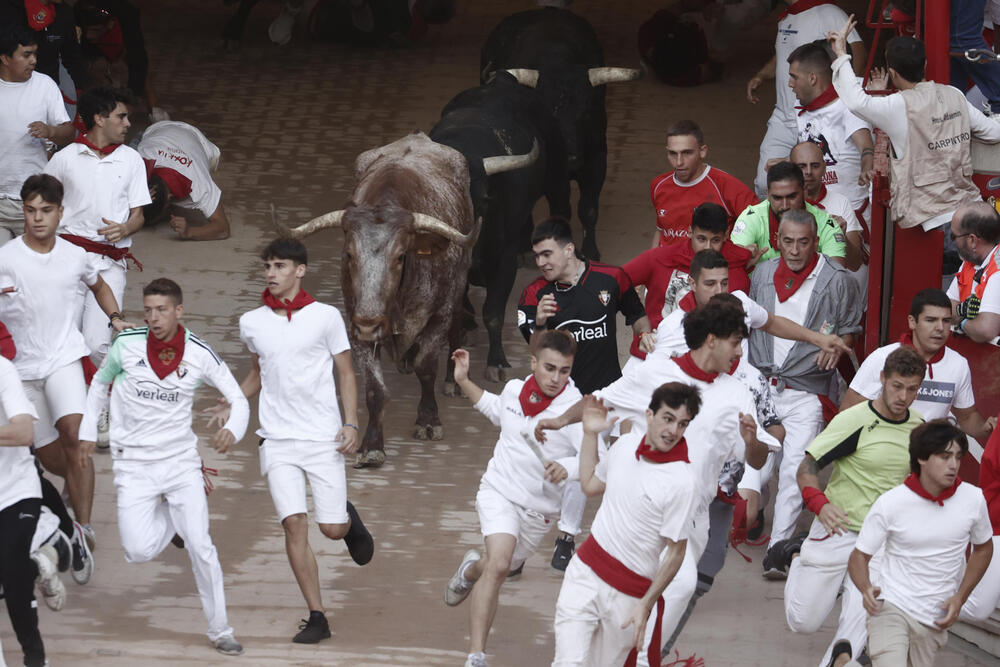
point(802, 416)
point(985, 596)
point(147, 522)
point(574, 502)
point(589, 618)
point(815, 579)
point(678, 592)
point(93, 320)
point(778, 141)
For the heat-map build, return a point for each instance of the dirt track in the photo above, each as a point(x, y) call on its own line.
point(290, 122)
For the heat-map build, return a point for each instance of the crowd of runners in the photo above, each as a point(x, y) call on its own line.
point(742, 377)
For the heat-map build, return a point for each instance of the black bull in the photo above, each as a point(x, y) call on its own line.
point(558, 54)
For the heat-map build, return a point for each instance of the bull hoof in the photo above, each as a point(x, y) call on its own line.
point(451, 390)
point(404, 366)
point(371, 459)
point(424, 432)
point(496, 374)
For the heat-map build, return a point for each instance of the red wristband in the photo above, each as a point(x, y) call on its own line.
point(815, 499)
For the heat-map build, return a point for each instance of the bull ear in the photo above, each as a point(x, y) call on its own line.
point(429, 245)
point(602, 75)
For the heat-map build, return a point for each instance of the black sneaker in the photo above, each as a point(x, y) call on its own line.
point(516, 573)
point(313, 630)
point(563, 552)
point(841, 647)
point(779, 556)
point(360, 543)
point(177, 541)
point(757, 529)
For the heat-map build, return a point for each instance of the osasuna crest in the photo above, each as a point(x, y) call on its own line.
point(789, 284)
point(182, 370)
point(533, 397)
point(604, 296)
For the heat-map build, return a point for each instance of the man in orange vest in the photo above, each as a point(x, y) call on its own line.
point(974, 297)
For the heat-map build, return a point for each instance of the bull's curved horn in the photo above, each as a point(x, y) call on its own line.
point(495, 165)
point(331, 219)
point(430, 224)
point(525, 77)
point(601, 75)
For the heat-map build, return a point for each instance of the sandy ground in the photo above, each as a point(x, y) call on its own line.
point(290, 122)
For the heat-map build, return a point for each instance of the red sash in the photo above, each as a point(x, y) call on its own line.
point(115, 253)
point(612, 572)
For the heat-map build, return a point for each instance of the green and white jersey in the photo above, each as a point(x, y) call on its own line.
point(753, 227)
point(870, 455)
point(150, 417)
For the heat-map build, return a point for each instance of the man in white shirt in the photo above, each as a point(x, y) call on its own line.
point(20, 507)
point(947, 385)
point(155, 371)
point(106, 189)
point(41, 275)
point(639, 537)
point(33, 114)
point(519, 495)
point(181, 161)
point(923, 528)
point(975, 296)
point(802, 22)
point(297, 344)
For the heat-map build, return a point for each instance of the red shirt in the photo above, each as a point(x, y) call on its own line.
point(674, 202)
point(989, 478)
point(657, 267)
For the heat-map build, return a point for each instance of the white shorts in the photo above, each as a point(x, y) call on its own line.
point(287, 464)
point(499, 515)
point(62, 393)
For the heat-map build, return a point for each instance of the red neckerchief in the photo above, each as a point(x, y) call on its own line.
point(787, 282)
point(7, 347)
point(732, 369)
point(533, 399)
point(824, 98)
point(687, 302)
point(104, 152)
point(40, 15)
point(801, 6)
point(165, 355)
point(678, 452)
point(688, 366)
point(773, 222)
point(178, 184)
point(301, 300)
point(112, 43)
point(822, 195)
point(907, 339)
point(913, 484)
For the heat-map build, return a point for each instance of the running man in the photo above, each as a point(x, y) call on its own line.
point(40, 276)
point(519, 495)
point(618, 575)
point(157, 469)
point(296, 344)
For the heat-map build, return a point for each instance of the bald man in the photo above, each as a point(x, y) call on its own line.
point(975, 297)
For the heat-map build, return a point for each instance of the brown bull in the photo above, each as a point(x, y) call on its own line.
point(408, 237)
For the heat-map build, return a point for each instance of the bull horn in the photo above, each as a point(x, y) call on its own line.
point(525, 77)
point(601, 75)
point(495, 165)
point(331, 219)
point(430, 224)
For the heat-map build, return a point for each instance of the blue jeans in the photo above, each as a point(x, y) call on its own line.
point(967, 33)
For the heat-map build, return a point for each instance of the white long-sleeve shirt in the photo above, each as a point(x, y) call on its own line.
point(515, 470)
point(150, 417)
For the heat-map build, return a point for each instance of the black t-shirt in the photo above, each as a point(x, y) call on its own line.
point(587, 310)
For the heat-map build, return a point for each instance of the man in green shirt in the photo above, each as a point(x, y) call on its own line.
point(757, 227)
point(868, 445)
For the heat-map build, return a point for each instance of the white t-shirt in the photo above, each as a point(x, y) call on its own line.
point(793, 31)
point(183, 148)
point(990, 303)
point(670, 333)
point(18, 477)
point(835, 203)
point(21, 155)
point(42, 311)
point(298, 395)
point(515, 470)
point(713, 436)
point(795, 308)
point(924, 544)
point(831, 128)
point(644, 505)
point(98, 188)
point(951, 384)
point(151, 417)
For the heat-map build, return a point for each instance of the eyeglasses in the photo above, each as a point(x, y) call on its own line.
point(955, 237)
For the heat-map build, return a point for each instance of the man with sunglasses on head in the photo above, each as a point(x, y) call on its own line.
point(975, 298)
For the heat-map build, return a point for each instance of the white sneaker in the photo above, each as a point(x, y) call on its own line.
point(103, 430)
point(49, 584)
point(476, 660)
point(280, 30)
point(83, 559)
point(227, 645)
point(458, 586)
